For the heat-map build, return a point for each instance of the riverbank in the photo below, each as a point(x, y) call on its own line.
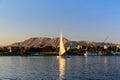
point(56, 53)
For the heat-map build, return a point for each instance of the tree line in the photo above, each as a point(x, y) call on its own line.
point(47, 49)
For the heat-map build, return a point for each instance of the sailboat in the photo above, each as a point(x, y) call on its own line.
point(62, 47)
point(86, 54)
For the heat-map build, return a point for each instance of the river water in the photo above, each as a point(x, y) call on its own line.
point(53, 68)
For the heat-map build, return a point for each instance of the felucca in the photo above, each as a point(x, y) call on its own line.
point(62, 47)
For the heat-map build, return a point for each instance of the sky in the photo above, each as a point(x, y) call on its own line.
point(78, 20)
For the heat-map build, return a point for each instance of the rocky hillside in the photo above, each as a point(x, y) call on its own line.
point(38, 42)
point(45, 41)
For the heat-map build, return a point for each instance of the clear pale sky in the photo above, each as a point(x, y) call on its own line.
point(90, 20)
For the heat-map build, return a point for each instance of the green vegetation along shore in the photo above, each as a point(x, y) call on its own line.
point(49, 50)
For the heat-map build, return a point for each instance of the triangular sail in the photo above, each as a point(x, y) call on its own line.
point(62, 48)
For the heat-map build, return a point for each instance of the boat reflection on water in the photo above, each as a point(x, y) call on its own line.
point(62, 65)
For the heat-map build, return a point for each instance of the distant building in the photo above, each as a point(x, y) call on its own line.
point(14, 49)
point(118, 46)
point(105, 46)
point(67, 48)
point(84, 47)
point(10, 50)
point(79, 47)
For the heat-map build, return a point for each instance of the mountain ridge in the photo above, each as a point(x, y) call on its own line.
point(46, 41)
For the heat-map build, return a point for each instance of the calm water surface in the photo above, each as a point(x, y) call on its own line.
point(53, 68)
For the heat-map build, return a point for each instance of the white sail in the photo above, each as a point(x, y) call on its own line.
point(62, 48)
point(86, 54)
